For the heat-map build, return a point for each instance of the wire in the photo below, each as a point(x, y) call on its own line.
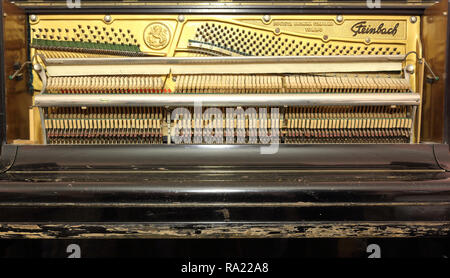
point(17, 72)
point(424, 61)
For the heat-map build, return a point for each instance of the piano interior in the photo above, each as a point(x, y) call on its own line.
point(305, 79)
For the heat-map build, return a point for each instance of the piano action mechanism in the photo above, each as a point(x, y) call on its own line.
point(117, 79)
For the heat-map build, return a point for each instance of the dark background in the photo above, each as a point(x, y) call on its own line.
point(228, 248)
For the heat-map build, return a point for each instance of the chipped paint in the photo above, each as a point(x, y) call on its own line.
point(226, 230)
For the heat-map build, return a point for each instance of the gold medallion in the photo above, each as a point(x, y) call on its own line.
point(157, 35)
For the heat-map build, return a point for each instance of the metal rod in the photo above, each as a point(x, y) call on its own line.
point(224, 100)
point(44, 130)
point(222, 65)
point(220, 60)
point(412, 130)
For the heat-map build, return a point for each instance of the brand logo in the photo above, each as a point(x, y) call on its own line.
point(157, 35)
point(363, 28)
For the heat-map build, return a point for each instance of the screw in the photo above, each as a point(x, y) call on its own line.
point(33, 18)
point(409, 69)
point(266, 18)
point(181, 18)
point(108, 18)
point(368, 40)
point(277, 30)
point(37, 67)
point(325, 37)
point(339, 18)
point(413, 19)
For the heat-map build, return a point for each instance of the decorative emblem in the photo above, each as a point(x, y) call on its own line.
point(157, 35)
